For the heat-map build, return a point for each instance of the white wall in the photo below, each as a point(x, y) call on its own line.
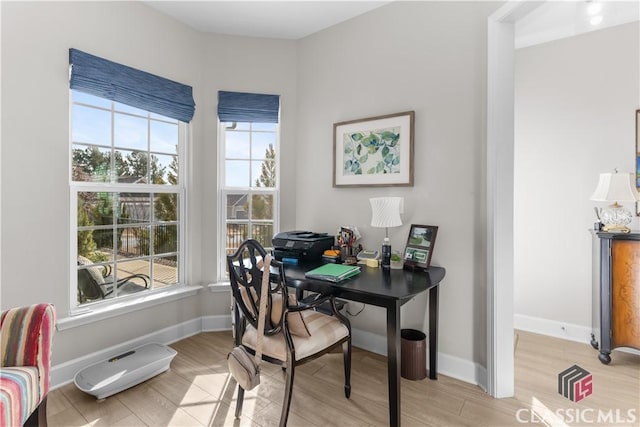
point(35, 147)
point(422, 56)
point(246, 64)
point(574, 118)
point(36, 37)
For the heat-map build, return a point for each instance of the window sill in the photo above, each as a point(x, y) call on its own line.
point(86, 316)
point(219, 287)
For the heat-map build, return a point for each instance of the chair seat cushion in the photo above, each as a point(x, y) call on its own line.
point(324, 331)
point(19, 394)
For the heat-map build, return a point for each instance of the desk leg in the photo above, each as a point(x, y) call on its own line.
point(393, 361)
point(433, 333)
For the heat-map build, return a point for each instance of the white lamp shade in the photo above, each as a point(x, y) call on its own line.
point(386, 211)
point(616, 187)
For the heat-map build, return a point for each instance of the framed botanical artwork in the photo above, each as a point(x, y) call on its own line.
point(420, 244)
point(376, 151)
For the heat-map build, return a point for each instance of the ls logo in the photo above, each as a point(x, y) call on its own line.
point(575, 383)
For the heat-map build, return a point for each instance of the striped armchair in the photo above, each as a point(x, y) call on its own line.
point(25, 359)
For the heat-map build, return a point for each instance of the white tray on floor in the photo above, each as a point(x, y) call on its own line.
point(125, 370)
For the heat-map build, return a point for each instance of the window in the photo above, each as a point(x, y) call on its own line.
point(249, 184)
point(128, 136)
point(128, 193)
point(248, 164)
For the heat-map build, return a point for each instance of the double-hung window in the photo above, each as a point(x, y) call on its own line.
point(127, 180)
point(249, 148)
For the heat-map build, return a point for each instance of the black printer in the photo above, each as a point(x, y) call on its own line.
point(298, 246)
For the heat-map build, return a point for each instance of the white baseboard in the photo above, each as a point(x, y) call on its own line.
point(216, 323)
point(463, 370)
point(369, 341)
point(567, 331)
point(448, 365)
point(552, 328)
point(63, 373)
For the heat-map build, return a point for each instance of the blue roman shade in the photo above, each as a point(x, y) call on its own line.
point(117, 82)
point(248, 107)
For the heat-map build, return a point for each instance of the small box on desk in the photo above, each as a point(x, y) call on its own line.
point(331, 259)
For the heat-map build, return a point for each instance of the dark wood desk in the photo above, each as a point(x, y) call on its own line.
point(616, 285)
point(390, 289)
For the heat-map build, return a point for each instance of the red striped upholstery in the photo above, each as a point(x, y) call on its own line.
point(25, 360)
point(17, 399)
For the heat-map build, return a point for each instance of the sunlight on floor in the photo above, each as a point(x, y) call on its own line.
point(218, 408)
point(541, 414)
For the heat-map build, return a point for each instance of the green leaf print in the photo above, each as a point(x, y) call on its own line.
point(370, 140)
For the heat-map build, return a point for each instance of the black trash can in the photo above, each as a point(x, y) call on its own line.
point(413, 359)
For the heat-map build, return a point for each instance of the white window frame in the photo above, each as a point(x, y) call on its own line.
point(76, 187)
point(223, 191)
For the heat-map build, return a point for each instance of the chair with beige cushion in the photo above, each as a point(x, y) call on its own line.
point(294, 332)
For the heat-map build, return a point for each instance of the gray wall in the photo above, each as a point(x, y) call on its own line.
point(36, 37)
point(574, 118)
point(35, 148)
point(423, 56)
point(246, 64)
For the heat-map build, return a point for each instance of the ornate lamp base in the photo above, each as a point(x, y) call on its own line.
point(616, 218)
point(618, 228)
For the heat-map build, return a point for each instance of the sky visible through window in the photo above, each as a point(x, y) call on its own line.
point(245, 151)
point(132, 131)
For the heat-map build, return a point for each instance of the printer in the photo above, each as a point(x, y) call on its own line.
point(299, 246)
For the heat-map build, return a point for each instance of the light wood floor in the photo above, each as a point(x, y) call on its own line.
point(197, 391)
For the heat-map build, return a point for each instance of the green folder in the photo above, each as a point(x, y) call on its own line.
point(333, 272)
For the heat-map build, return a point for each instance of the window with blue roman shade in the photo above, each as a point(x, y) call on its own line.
point(248, 107)
point(106, 79)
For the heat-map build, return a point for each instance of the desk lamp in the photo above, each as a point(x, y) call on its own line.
point(386, 213)
point(615, 187)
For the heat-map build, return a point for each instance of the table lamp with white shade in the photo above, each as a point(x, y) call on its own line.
point(386, 213)
point(616, 187)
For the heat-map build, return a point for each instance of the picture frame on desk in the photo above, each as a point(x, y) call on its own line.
point(420, 245)
point(375, 151)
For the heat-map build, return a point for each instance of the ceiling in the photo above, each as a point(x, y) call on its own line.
point(297, 19)
point(271, 19)
point(560, 19)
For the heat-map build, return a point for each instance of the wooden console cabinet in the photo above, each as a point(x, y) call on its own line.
point(616, 297)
